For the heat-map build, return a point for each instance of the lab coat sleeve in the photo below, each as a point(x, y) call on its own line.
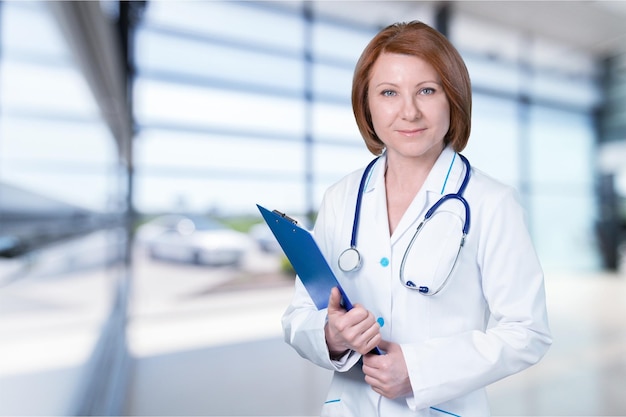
point(444, 368)
point(303, 325)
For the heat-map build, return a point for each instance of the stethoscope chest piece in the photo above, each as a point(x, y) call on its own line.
point(349, 260)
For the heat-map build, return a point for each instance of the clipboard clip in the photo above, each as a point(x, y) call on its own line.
point(283, 215)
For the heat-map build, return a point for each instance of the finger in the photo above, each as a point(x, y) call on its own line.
point(334, 300)
point(384, 345)
point(367, 341)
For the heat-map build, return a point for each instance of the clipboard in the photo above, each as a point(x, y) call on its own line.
point(306, 258)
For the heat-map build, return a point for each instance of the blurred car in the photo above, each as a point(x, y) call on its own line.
point(263, 235)
point(195, 239)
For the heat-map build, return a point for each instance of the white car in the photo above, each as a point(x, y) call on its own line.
point(194, 239)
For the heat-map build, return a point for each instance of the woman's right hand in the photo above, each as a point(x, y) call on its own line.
point(356, 329)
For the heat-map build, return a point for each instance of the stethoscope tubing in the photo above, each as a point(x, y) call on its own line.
point(429, 213)
point(359, 200)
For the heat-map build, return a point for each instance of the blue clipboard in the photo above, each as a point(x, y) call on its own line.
point(306, 258)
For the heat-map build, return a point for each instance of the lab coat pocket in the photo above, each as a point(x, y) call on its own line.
point(345, 395)
point(440, 412)
point(333, 407)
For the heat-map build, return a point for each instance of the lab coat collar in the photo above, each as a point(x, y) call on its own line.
point(436, 178)
point(448, 170)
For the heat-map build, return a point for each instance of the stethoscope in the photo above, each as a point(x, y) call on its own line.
point(350, 259)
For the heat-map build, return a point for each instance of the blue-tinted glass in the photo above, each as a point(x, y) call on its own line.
point(182, 56)
point(572, 92)
point(335, 122)
point(39, 37)
point(332, 162)
point(212, 154)
point(337, 42)
point(333, 81)
point(52, 137)
point(562, 200)
point(495, 129)
point(563, 229)
point(561, 148)
point(28, 89)
point(159, 102)
point(493, 75)
point(241, 21)
point(221, 196)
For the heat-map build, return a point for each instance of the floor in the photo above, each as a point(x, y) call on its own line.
point(221, 353)
point(201, 348)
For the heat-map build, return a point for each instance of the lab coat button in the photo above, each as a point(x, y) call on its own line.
point(384, 262)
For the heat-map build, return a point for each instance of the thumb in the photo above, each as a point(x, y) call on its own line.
point(334, 301)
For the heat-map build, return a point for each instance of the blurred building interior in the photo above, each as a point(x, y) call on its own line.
point(113, 113)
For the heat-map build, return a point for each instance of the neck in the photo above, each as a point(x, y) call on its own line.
point(408, 174)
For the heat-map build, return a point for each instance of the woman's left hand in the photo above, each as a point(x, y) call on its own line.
point(387, 374)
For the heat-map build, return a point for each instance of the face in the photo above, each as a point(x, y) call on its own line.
point(410, 111)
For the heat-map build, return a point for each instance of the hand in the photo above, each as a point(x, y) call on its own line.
point(356, 329)
point(387, 374)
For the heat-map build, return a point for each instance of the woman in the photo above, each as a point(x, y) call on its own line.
point(451, 313)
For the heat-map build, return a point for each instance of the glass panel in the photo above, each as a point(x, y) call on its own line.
point(572, 92)
point(75, 163)
point(179, 152)
point(240, 21)
point(495, 128)
point(181, 56)
point(159, 102)
point(335, 122)
point(61, 259)
point(562, 199)
point(562, 231)
point(562, 147)
point(331, 163)
point(561, 58)
point(219, 196)
point(39, 38)
point(485, 38)
point(30, 90)
point(492, 75)
point(333, 81)
point(337, 42)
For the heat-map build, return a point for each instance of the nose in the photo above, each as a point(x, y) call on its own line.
point(410, 108)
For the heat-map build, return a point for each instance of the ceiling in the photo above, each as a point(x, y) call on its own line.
point(597, 27)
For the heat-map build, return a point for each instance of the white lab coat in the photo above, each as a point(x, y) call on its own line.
point(488, 322)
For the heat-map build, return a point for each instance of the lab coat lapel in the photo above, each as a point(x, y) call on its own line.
point(430, 192)
point(375, 195)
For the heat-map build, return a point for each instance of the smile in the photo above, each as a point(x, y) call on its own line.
point(410, 132)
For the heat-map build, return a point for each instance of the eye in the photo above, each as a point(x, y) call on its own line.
point(427, 91)
point(387, 93)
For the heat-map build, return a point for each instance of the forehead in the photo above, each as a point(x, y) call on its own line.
point(394, 67)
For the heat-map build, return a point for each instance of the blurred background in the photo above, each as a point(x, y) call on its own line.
point(136, 138)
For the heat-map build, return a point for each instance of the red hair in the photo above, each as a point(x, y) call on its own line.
point(420, 40)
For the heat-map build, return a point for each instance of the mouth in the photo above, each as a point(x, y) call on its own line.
point(410, 132)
